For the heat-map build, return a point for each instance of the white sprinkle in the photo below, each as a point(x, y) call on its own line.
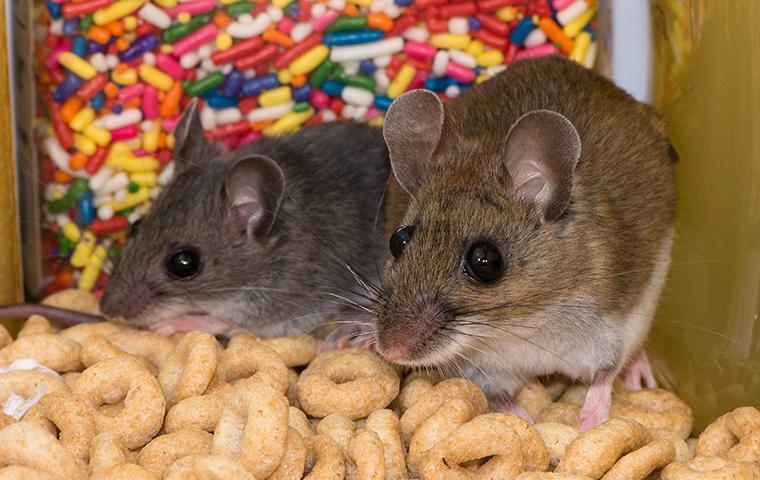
point(440, 62)
point(535, 38)
point(301, 31)
point(149, 58)
point(357, 96)
point(452, 91)
point(269, 113)
point(154, 15)
point(105, 212)
point(571, 12)
point(462, 58)
point(416, 34)
point(389, 46)
point(459, 25)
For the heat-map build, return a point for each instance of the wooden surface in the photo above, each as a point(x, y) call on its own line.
point(10, 257)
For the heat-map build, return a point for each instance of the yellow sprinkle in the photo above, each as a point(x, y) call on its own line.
point(284, 76)
point(119, 148)
point(91, 272)
point(132, 199)
point(506, 14)
point(166, 48)
point(490, 58)
point(169, 140)
point(281, 3)
point(156, 77)
point(275, 96)
point(309, 60)
point(132, 164)
point(582, 42)
point(459, 41)
point(476, 48)
point(83, 250)
point(166, 3)
point(84, 144)
point(145, 179)
point(150, 140)
point(130, 23)
point(228, 2)
point(72, 232)
point(83, 117)
point(99, 135)
point(377, 122)
point(573, 28)
point(288, 123)
point(116, 11)
point(363, 3)
point(184, 17)
point(401, 81)
point(482, 77)
point(223, 41)
point(127, 77)
point(76, 64)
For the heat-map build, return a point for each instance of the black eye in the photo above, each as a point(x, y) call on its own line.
point(184, 264)
point(483, 262)
point(400, 238)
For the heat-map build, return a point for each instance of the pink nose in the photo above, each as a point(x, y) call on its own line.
point(394, 352)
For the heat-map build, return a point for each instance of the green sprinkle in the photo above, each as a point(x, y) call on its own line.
point(133, 187)
point(301, 107)
point(114, 254)
point(347, 23)
point(237, 9)
point(205, 84)
point(175, 32)
point(78, 188)
point(362, 81)
point(61, 205)
point(320, 74)
point(64, 245)
point(86, 23)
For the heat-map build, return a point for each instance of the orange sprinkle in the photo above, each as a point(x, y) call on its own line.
point(77, 161)
point(116, 28)
point(134, 103)
point(261, 125)
point(62, 177)
point(556, 35)
point(99, 34)
point(221, 19)
point(122, 44)
point(161, 140)
point(111, 90)
point(171, 101)
point(64, 277)
point(277, 37)
point(298, 81)
point(379, 21)
point(351, 10)
point(121, 68)
point(70, 108)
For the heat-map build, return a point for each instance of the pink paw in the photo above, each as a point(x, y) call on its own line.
point(637, 374)
point(348, 336)
point(504, 403)
point(596, 407)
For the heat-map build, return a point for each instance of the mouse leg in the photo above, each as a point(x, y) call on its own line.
point(505, 403)
point(596, 407)
point(637, 373)
point(358, 333)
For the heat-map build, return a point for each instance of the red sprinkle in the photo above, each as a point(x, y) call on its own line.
point(264, 55)
point(114, 224)
point(490, 39)
point(83, 8)
point(96, 160)
point(488, 6)
point(238, 50)
point(466, 9)
point(296, 51)
point(494, 24)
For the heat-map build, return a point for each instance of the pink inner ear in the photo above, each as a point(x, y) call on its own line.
point(247, 215)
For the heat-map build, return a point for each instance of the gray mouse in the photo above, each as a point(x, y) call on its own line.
point(538, 236)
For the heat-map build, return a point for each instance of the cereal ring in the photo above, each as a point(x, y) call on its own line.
point(352, 383)
point(451, 415)
point(596, 451)
point(5, 337)
point(642, 462)
point(533, 398)
point(195, 413)
point(298, 421)
point(710, 468)
point(386, 425)
point(16, 472)
point(6, 420)
point(253, 427)
point(106, 451)
point(158, 455)
point(74, 299)
point(293, 461)
point(337, 427)
point(207, 467)
point(431, 400)
point(70, 378)
point(246, 358)
point(70, 416)
point(683, 452)
point(35, 325)
point(725, 432)
point(294, 351)
point(366, 451)
point(125, 471)
point(329, 463)
point(292, 392)
point(55, 352)
point(535, 453)
point(481, 437)
point(96, 349)
point(556, 437)
point(123, 378)
point(551, 476)
point(189, 366)
point(140, 343)
point(654, 408)
point(27, 384)
point(28, 445)
point(747, 450)
point(560, 412)
point(412, 392)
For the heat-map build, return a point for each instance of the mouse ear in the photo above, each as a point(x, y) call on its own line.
point(188, 134)
point(412, 130)
point(540, 154)
point(253, 189)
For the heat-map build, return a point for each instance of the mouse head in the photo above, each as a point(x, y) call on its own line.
point(216, 218)
point(479, 241)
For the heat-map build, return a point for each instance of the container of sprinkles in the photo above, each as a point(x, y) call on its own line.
point(112, 77)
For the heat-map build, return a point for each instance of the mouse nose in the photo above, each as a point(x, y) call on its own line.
point(125, 302)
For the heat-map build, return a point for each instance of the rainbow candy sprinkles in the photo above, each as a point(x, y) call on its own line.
point(113, 77)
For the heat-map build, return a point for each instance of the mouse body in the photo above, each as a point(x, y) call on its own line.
point(538, 236)
point(272, 238)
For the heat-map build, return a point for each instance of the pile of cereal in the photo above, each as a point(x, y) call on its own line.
point(114, 75)
point(103, 401)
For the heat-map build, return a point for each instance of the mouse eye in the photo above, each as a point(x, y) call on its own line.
point(400, 238)
point(184, 263)
point(483, 262)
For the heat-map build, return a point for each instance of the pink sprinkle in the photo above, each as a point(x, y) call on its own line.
point(170, 66)
point(132, 91)
point(459, 72)
point(561, 4)
point(324, 21)
point(249, 137)
point(150, 103)
point(169, 124)
point(540, 51)
point(140, 153)
point(420, 51)
point(193, 8)
point(285, 25)
point(419, 80)
point(124, 133)
point(205, 34)
point(231, 143)
point(371, 114)
point(319, 99)
point(51, 61)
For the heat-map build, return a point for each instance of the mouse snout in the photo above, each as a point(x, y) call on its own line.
point(126, 301)
point(405, 335)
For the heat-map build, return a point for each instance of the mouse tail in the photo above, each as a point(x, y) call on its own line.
point(58, 315)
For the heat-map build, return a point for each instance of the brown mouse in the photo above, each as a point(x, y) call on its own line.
point(539, 233)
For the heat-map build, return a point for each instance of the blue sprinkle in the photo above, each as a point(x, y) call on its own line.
point(439, 84)
point(269, 81)
point(294, 10)
point(54, 9)
point(70, 26)
point(95, 47)
point(138, 47)
point(117, 109)
point(254, 86)
point(67, 88)
point(85, 210)
point(521, 31)
point(367, 67)
point(474, 23)
point(352, 37)
point(232, 83)
point(301, 94)
point(332, 88)
point(79, 46)
point(98, 101)
point(382, 102)
point(221, 101)
point(403, 3)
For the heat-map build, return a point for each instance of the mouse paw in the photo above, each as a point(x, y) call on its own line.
point(637, 374)
point(505, 403)
point(596, 407)
point(354, 335)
